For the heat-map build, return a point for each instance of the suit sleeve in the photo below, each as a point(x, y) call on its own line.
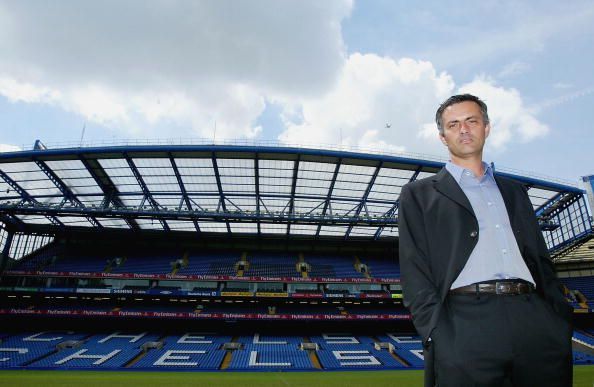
point(419, 291)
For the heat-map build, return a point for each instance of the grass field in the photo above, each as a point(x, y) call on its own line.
point(583, 377)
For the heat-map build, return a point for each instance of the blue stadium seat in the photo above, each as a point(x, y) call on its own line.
point(287, 358)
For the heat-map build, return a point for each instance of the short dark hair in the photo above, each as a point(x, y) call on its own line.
point(454, 99)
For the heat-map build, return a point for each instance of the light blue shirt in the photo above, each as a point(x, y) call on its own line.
point(496, 254)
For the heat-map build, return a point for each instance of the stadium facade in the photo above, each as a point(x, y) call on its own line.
point(274, 249)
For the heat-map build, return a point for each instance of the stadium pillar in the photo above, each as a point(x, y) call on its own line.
point(5, 251)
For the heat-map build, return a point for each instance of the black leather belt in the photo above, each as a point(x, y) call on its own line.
point(496, 287)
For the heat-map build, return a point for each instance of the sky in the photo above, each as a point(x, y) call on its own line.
point(358, 74)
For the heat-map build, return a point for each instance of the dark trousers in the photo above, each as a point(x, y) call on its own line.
point(501, 340)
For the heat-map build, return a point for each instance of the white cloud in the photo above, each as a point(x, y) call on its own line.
point(510, 119)
point(97, 103)
point(149, 69)
point(513, 69)
point(9, 148)
point(371, 92)
point(130, 65)
point(16, 91)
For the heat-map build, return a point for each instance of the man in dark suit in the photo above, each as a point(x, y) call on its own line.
point(476, 273)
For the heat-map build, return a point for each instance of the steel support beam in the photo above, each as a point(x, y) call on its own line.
point(65, 190)
point(222, 204)
point(257, 187)
point(391, 213)
point(110, 192)
point(147, 193)
point(365, 196)
point(26, 197)
point(182, 187)
point(293, 189)
point(190, 215)
point(329, 195)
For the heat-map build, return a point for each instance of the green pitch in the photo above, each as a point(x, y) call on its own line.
point(583, 376)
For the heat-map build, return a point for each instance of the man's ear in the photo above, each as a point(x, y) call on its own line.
point(487, 130)
point(442, 138)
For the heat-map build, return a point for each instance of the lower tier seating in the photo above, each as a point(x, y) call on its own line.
point(200, 351)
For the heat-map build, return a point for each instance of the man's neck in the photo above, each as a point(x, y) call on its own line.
point(475, 165)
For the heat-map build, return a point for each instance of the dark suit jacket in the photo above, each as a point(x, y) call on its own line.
point(437, 233)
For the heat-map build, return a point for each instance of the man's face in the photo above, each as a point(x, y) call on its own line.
point(464, 131)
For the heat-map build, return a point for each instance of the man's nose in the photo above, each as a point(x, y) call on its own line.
point(463, 127)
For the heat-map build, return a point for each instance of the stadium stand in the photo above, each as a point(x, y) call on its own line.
point(118, 350)
point(407, 347)
point(278, 249)
point(25, 348)
point(581, 358)
point(337, 355)
point(146, 264)
point(219, 263)
point(282, 358)
point(332, 266)
point(379, 268)
point(585, 285)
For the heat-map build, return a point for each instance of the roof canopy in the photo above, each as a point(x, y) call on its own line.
point(223, 189)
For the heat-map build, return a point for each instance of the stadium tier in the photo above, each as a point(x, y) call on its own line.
point(209, 351)
point(66, 259)
point(290, 254)
point(583, 284)
point(198, 351)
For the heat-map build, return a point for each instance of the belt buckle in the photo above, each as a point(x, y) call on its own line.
point(503, 288)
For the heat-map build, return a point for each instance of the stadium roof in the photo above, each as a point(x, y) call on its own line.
point(224, 189)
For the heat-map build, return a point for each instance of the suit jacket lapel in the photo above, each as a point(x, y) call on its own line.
point(445, 183)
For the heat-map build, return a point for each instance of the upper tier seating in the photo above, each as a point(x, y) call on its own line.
point(157, 262)
point(271, 265)
point(332, 266)
point(381, 268)
point(144, 260)
point(38, 260)
point(216, 263)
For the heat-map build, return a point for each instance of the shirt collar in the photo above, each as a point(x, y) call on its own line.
point(456, 171)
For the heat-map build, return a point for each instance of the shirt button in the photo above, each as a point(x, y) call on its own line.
point(504, 251)
point(497, 226)
point(473, 234)
point(489, 203)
